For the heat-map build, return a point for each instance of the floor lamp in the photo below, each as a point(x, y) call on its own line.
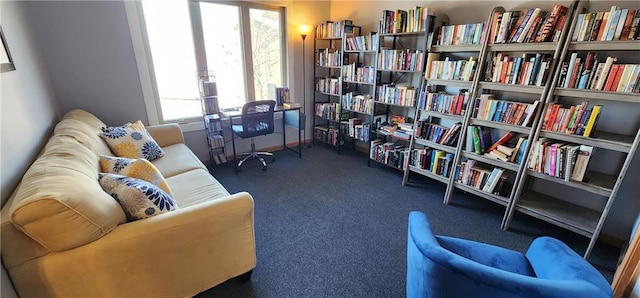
point(304, 31)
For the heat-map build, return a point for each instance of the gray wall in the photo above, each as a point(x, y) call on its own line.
point(90, 58)
point(28, 106)
point(27, 109)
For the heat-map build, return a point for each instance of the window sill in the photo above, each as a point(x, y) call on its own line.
point(191, 126)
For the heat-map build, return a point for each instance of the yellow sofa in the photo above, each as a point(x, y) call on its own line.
point(62, 235)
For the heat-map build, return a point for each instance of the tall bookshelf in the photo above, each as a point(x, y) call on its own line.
point(208, 90)
point(329, 60)
point(359, 86)
point(448, 87)
point(404, 39)
point(506, 105)
point(613, 141)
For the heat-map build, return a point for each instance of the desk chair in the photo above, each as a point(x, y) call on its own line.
point(257, 120)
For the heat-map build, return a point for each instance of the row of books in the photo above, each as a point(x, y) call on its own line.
point(576, 120)
point(432, 160)
point(357, 73)
point(328, 110)
point(328, 85)
point(566, 161)
point(463, 34)
point(389, 153)
point(438, 133)
point(360, 103)
point(329, 135)
point(216, 141)
point(509, 112)
point(329, 58)
point(358, 129)
point(528, 25)
point(451, 69)
point(400, 60)
point(399, 21)
point(591, 73)
point(403, 95)
point(331, 29)
point(616, 24)
point(442, 102)
point(528, 69)
point(487, 180)
point(363, 42)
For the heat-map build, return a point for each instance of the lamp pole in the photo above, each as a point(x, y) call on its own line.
point(304, 31)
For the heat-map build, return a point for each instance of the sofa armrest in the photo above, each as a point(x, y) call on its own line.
point(186, 251)
point(166, 134)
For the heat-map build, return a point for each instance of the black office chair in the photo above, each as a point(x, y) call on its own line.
point(257, 120)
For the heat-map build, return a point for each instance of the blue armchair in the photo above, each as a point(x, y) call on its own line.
point(439, 266)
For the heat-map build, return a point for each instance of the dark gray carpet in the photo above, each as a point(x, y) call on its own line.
point(329, 226)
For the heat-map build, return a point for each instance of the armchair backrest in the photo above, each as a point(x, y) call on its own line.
point(257, 118)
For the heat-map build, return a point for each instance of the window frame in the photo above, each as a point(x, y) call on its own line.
point(142, 52)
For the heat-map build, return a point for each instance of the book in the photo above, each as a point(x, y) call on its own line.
point(593, 119)
point(502, 140)
point(582, 161)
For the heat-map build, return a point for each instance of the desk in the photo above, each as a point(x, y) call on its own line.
point(290, 116)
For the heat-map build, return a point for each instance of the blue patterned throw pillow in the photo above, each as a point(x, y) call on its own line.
point(139, 199)
point(131, 141)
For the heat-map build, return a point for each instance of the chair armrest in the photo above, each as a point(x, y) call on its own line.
point(166, 134)
point(553, 259)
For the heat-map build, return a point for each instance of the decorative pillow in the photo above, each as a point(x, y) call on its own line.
point(139, 199)
point(135, 168)
point(131, 141)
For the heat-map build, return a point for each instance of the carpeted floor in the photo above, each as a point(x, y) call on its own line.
point(327, 225)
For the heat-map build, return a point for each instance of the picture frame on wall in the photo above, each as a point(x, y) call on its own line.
point(6, 62)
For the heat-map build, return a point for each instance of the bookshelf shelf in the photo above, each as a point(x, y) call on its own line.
point(523, 47)
point(327, 93)
point(483, 194)
point(512, 87)
point(434, 145)
point(399, 70)
point(605, 140)
point(357, 82)
point(499, 125)
point(599, 183)
point(572, 217)
point(612, 45)
point(456, 48)
point(492, 161)
point(597, 94)
point(429, 174)
point(399, 34)
point(457, 118)
point(457, 83)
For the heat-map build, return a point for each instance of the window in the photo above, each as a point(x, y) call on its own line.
point(241, 42)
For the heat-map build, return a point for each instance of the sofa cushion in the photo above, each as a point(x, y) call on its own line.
point(60, 203)
point(178, 159)
point(196, 186)
point(131, 141)
point(139, 199)
point(135, 168)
